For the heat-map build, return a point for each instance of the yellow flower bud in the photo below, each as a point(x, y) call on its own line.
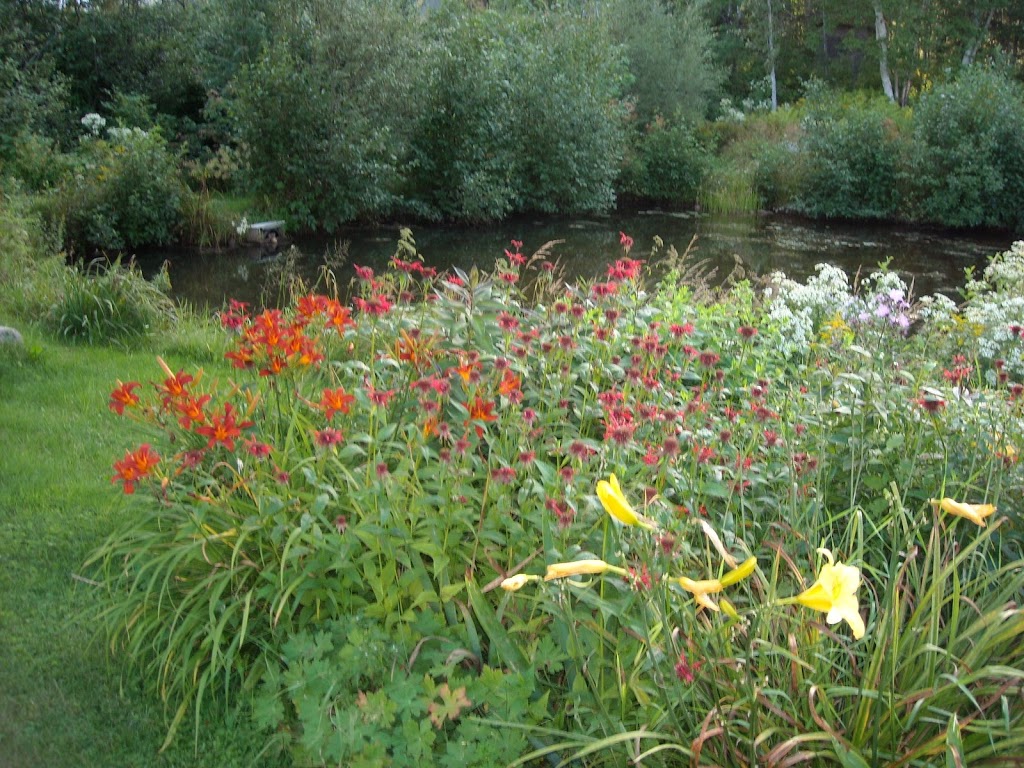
point(615, 504)
point(517, 582)
point(580, 568)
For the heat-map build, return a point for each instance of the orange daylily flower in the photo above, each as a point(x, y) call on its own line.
point(134, 466)
point(509, 383)
point(334, 401)
point(223, 429)
point(123, 397)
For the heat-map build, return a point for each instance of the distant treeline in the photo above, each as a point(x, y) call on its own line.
point(343, 110)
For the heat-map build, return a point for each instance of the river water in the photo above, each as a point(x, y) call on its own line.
point(933, 260)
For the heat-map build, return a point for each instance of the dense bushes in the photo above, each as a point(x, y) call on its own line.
point(338, 111)
point(970, 166)
point(126, 191)
point(855, 155)
point(668, 164)
point(954, 158)
point(326, 117)
point(530, 122)
point(467, 115)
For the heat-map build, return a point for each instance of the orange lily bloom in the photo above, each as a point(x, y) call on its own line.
point(123, 397)
point(335, 400)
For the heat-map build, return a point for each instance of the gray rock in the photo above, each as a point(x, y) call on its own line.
point(10, 336)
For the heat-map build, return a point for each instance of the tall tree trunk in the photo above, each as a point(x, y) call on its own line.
point(975, 45)
point(882, 36)
point(771, 59)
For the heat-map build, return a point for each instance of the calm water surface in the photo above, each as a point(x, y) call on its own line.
point(933, 259)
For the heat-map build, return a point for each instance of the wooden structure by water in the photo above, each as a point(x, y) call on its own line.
point(267, 234)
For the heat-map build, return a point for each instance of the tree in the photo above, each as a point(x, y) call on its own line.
point(669, 49)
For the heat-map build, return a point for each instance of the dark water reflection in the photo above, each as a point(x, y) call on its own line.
point(934, 259)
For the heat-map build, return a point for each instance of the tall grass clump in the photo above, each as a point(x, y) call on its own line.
point(32, 269)
point(111, 303)
point(728, 189)
point(757, 525)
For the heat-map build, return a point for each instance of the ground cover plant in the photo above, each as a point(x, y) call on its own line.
point(483, 519)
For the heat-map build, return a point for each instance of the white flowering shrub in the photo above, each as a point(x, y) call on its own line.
point(880, 304)
point(1005, 273)
point(93, 123)
point(937, 313)
point(990, 323)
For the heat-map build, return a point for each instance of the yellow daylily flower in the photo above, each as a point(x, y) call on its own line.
point(835, 594)
point(580, 568)
point(701, 589)
point(976, 513)
point(615, 504)
point(517, 582)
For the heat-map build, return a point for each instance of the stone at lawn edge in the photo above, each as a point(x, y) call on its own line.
point(10, 336)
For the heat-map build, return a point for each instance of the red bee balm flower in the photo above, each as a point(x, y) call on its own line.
point(326, 438)
point(123, 397)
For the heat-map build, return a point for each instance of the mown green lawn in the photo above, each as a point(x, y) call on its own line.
point(63, 701)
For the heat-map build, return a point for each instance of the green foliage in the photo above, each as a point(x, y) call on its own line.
point(668, 47)
point(126, 192)
point(31, 101)
point(32, 269)
point(350, 694)
point(857, 152)
point(143, 51)
point(520, 114)
point(111, 303)
point(669, 164)
point(325, 117)
point(971, 163)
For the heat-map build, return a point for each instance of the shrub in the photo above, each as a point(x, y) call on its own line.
point(856, 159)
point(669, 164)
point(126, 192)
point(669, 51)
point(971, 166)
point(326, 112)
point(521, 113)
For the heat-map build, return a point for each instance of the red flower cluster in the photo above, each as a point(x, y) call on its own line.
point(124, 397)
point(135, 466)
point(269, 341)
point(625, 269)
point(414, 267)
